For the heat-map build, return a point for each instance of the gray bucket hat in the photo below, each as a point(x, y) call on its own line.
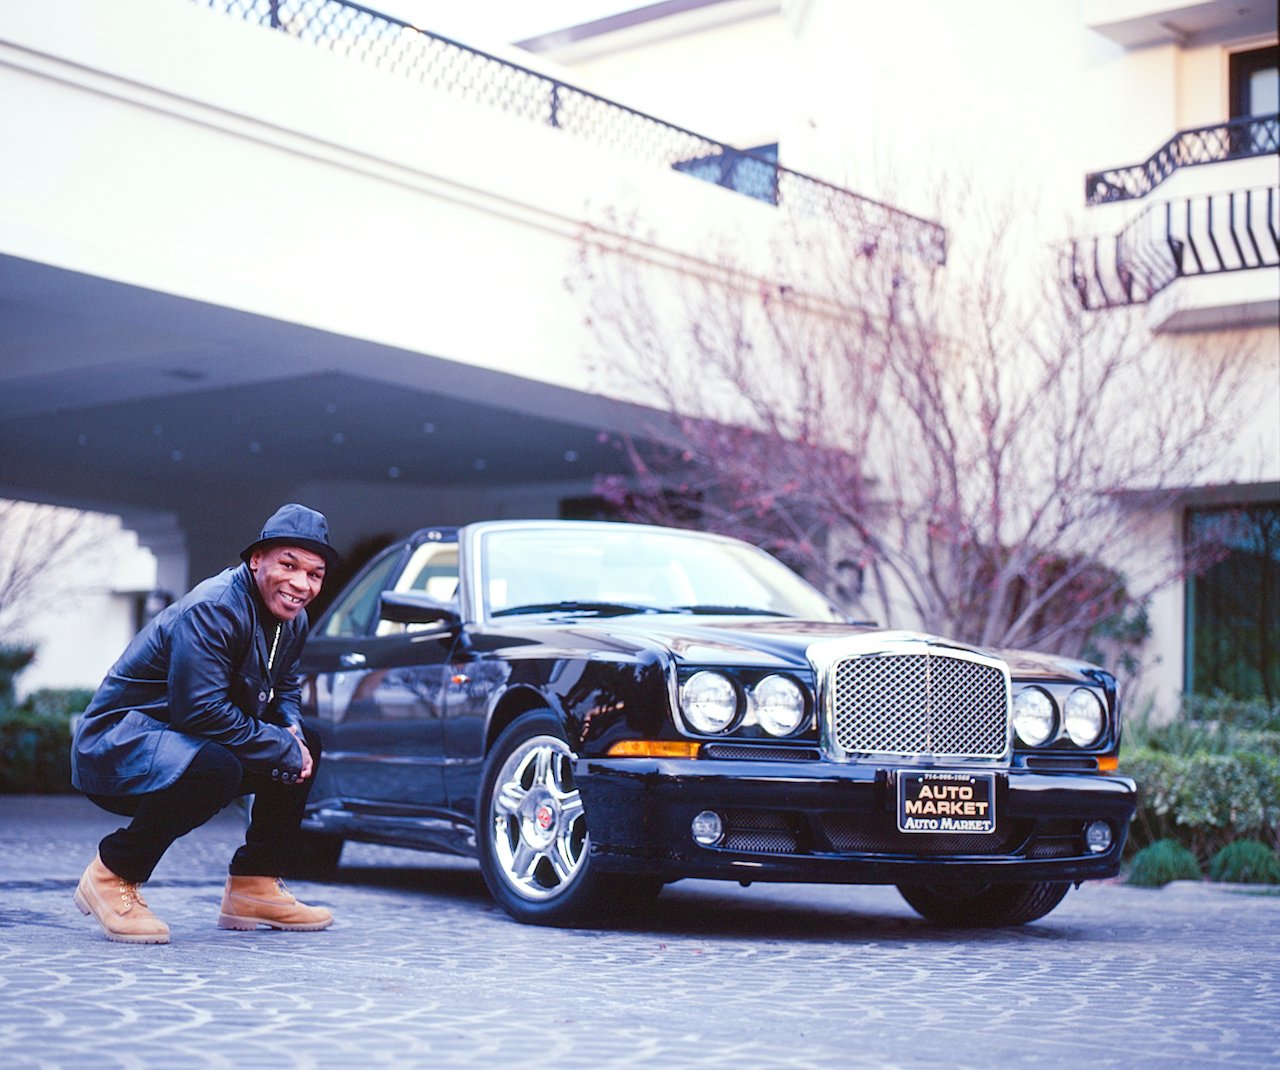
point(295, 525)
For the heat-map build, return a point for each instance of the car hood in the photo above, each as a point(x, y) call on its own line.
point(772, 642)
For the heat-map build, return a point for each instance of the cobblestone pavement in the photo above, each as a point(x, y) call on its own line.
point(422, 970)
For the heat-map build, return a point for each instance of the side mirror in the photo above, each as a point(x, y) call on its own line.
point(414, 607)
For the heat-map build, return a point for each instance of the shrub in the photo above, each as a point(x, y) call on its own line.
point(58, 702)
point(1205, 800)
point(1162, 862)
point(1223, 709)
point(35, 741)
point(1245, 862)
point(35, 752)
point(1209, 778)
point(1203, 737)
point(13, 659)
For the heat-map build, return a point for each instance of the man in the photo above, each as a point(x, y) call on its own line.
point(203, 707)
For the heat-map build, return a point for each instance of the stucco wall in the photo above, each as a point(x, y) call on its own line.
point(311, 187)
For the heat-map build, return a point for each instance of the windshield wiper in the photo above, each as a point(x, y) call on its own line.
point(602, 609)
point(729, 611)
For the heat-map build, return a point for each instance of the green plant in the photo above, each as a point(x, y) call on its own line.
point(1245, 862)
point(1162, 862)
point(1209, 777)
point(1216, 723)
point(34, 752)
point(1116, 639)
point(1204, 799)
point(1224, 709)
point(13, 659)
point(35, 741)
point(58, 702)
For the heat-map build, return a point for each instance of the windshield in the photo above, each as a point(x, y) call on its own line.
point(616, 570)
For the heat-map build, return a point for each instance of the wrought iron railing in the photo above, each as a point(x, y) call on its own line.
point(1206, 235)
point(1257, 135)
point(357, 32)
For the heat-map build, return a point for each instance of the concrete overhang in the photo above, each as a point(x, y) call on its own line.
point(120, 398)
point(1143, 23)
point(1235, 300)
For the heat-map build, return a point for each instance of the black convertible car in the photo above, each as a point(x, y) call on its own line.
point(595, 710)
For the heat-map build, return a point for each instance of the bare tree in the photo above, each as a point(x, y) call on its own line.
point(985, 453)
point(45, 553)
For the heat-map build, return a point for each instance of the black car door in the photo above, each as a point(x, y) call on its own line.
point(379, 694)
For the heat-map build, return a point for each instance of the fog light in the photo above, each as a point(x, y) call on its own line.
point(1097, 837)
point(707, 828)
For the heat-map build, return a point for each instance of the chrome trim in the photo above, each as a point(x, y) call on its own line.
point(385, 759)
point(825, 656)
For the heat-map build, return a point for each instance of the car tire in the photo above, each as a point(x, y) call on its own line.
point(987, 906)
point(531, 831)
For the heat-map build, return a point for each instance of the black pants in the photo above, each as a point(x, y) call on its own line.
point(213, 779)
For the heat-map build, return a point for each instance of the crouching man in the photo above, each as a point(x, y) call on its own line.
point(202, 707)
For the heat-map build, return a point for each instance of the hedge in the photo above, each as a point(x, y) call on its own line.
point(1209, 778)
point(1205, 801)
point(35, 742)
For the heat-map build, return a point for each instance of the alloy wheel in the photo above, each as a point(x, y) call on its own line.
point(537, 820)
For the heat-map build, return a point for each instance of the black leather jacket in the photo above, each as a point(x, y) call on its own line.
point(197, 672)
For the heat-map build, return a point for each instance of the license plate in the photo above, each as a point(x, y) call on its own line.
point(947, 802)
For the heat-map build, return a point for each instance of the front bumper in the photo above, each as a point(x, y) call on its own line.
point(829, 822)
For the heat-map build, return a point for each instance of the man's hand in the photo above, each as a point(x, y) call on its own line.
point(307, 764)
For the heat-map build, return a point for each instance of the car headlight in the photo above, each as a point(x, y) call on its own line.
point(709, 702)
point(779, 705)
point(1033, 716)
point(1084, 716)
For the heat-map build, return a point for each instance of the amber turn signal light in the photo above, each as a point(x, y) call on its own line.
point(1108, 763)
point(653, 748)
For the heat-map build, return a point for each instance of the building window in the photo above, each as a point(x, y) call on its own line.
point(755, 174)
point(1233, 602)
point(1255, 82)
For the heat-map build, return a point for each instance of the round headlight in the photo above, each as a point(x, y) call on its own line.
point(779, 705)
point(709, 701)
point(1084, 716)
point(1033, 716)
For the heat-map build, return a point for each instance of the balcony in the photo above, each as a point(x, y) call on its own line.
point(358, 33)
point(1239, 139)
point(1212, 234)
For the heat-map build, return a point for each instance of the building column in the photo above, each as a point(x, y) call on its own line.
point(161, 534)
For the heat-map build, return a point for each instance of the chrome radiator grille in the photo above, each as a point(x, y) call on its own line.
point(931, 702)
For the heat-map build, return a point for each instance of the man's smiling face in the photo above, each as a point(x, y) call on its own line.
point(288, 578)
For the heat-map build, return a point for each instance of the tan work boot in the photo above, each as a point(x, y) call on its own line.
point(249, 902)
point(119, 907)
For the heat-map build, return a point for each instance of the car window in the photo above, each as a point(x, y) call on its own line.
point(355, 610)
point(640, 567)
point(433, 569)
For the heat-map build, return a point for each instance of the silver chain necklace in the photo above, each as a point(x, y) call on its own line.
point(271, 658)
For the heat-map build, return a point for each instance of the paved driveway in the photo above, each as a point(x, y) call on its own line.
point(421, 970)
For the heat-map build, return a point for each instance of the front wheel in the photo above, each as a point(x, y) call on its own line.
point(532, 831)
point(985, 906)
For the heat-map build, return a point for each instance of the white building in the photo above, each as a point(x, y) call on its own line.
point(1147, 133)
point(75, 586)
point(338, 277)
